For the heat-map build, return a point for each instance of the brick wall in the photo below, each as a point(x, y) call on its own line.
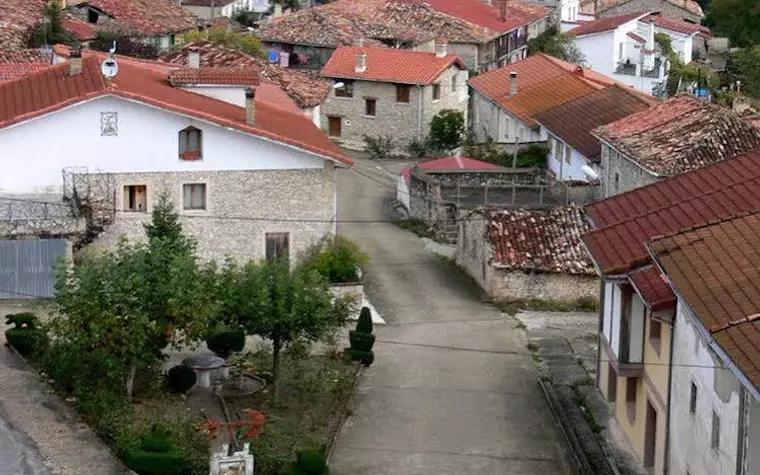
point(620, 174)
point(288, 194)
point(663, 6)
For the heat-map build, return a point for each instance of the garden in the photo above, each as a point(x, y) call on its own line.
point(273, 333)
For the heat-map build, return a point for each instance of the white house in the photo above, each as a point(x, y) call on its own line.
point(223, 8)
point(250, 178)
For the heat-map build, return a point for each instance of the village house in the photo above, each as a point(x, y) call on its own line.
point(20, 17)
point(688, 10)
point(208, 9)
point(528, 254)
point(482, 34)
point(675, 136)
point(390, 92)
point(158, 22)
point(17, 63)
point(505, 101)
point(638, 307)
point(250, 177)
point(307, 91)
point(568, 129)
point(715, 374)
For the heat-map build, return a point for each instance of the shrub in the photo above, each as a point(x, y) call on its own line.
point(224, 343)
point(22, 320)
point(364, 357)
point(171, 462)
point(532, 156)
point(157, 442)
point(361, 341)
point(310, 462)
point(418, 148)
point(364, 325)
point(381, 146)
point(25, 337)
point(447, 129)
point(336, 258)
point(181, 378)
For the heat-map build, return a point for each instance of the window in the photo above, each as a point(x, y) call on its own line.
point(194, 196)
point(560, 151)
point(617, 182)
point(402, 93)
point(190, 142)
point(693, 398)
point(620, 51)
point(436, 92)
point(454, 84)
point(655, 330)
point(334, 126)
point(135, 198)
point(347, 90)
point(277, 245)
point(715, 439)
point(630, 397)
point(568, 154)
point(92, 16)
point(370, 107)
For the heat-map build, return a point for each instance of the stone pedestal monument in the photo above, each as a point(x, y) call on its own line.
point(239, 463)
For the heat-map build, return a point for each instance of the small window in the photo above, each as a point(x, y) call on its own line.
point(617, 182)
point(277, 245)
point(693, 398)
point(454, 84)
point(190, 143)
point(436, 92)
point(568, 154)
point(135, 198)
point(92, 16)
point(630, 397)
point(715, 439)
point(403, 93)
point(347, 90)
point(194, 196)
point(655, 331)
point(370, 107)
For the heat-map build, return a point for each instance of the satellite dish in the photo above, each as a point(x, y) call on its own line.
point(109, 68)
point(590, 173)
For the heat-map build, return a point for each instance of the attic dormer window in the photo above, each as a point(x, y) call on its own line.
point(92, 16)
point(190, 143)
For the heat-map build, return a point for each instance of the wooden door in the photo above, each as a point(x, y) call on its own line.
point(650, 435)
point(335, 125)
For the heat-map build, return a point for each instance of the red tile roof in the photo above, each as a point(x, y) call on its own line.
point(518, 13)
point(17, 19)
point(17, 63)
point(82, 31)
point(389, 65)
point(653, 288)
point(587, 6)
point(215, 76)
point(636, 37)
point(574, 120)
point(605, 24)
point(680, 134)
point(53, 88)
point(716, 269)
point(544, 241)
point(306, 90)
point(677, 25)
point(148, 17)
point(450, 163)
point(619, 247)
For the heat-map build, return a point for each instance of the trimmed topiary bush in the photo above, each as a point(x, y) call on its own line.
point(361, 341)
point(224, 343)
point(25, 337)
point(156, 455)
point(181, 378)
point(364, 357)
point(310, 462)
point(364, 325)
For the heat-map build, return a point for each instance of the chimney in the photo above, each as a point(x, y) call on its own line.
point(513, 83)
point(361, 62)
point(360, 42)
point(440, 48)
point(75, 62)
point(502, 10)
point(487, 2)
point(193, 57)
point(250, 106)
point(277, 10)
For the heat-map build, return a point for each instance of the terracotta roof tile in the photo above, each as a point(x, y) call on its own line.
point(619, 246)
point(148, 17)
point(545, 241)
point(605, 24)
point(389, 64)
point(518, 13)
point(679, 135)
point(82, 31)
point(716, 269)
point(543, 96)
point(689, 5)
point(450, 163)
point(207, 3)
point(306, 90)
point(17, 19)
point(653, 288)
point(53, 88)
point(679, 26)
point(574, 120)
point(216, 76)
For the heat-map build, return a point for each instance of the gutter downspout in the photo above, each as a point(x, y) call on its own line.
point(419, 111)
point(741, 434)
point(602, 299)
point(666, 458)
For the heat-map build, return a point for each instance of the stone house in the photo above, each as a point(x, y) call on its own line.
point(521, 254)
point(639, 310)
point(675, 136)
point(716, 347)
point(688, 10)
point(483, 34)
point(250, 177)
point(208, 9)
point(390, 92)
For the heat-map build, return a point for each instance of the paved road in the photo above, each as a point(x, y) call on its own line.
point(18, 453)
point(453, 389)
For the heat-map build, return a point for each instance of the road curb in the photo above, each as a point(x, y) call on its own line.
point(344, 416)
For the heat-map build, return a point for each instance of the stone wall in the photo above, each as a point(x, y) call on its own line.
point(580, 193)
point(663, 6)
point(241, 206)
point(620, 174)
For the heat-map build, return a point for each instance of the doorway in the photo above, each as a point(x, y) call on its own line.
point(650, 435)
point(335, 126)
point(611, 384)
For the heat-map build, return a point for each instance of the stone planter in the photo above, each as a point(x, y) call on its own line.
point(355, 291)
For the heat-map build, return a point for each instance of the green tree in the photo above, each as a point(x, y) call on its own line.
point(447, 130)
point(51, 31)
point(744, 66)
point(221, 36)
point(555, 43)
point(134, 46)
point(737, 19)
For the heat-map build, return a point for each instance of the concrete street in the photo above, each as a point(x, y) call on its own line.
point(18, 453)
point(453, 389)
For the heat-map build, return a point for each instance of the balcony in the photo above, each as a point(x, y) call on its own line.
point(630, 67)
point(655, 71)
point(623, 328)
point(627, 67)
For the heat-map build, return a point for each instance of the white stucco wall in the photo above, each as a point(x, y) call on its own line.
point(569, 10)
point(717, 390)
point(609, 290)
point(617, 300)
point(636, 335)
point(561, 168)
point(35, 152)
point(232, 94)
point(491, 120)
